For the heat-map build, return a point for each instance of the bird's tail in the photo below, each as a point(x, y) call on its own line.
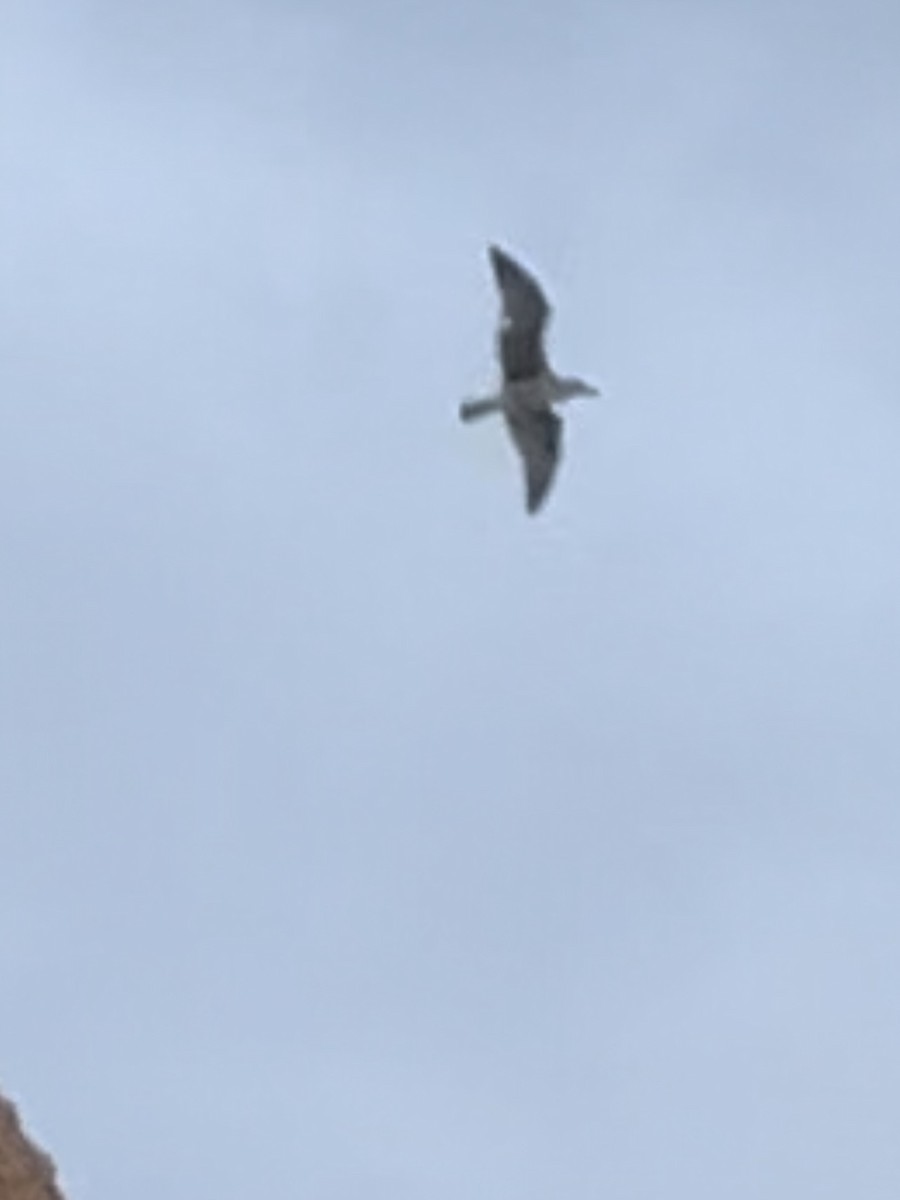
point(471, 410)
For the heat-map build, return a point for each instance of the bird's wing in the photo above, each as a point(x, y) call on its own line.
point(538, 438)
point(520, 341)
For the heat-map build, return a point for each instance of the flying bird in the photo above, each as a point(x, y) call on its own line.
point(529, 387)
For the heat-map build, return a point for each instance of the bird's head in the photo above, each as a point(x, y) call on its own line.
point(570, 388)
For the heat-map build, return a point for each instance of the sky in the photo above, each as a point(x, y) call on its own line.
point(361, 835)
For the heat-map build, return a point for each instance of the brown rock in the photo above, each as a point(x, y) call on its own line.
point(26, 1173)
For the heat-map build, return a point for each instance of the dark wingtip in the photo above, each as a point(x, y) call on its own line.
point(534, 501)
point(503, 264)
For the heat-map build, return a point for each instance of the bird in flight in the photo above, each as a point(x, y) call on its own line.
point(529, 387)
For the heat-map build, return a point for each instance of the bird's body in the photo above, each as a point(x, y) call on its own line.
point(530, 388)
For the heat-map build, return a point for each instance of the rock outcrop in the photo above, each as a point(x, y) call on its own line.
point(26, 1173)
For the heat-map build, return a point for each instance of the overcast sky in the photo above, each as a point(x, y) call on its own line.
point(361, 836)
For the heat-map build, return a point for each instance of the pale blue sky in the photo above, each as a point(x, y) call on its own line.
point(363, 837)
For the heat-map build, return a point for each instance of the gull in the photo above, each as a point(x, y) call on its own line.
point(529, 388)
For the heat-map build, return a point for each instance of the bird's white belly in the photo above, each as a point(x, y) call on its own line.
point(536, 394)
